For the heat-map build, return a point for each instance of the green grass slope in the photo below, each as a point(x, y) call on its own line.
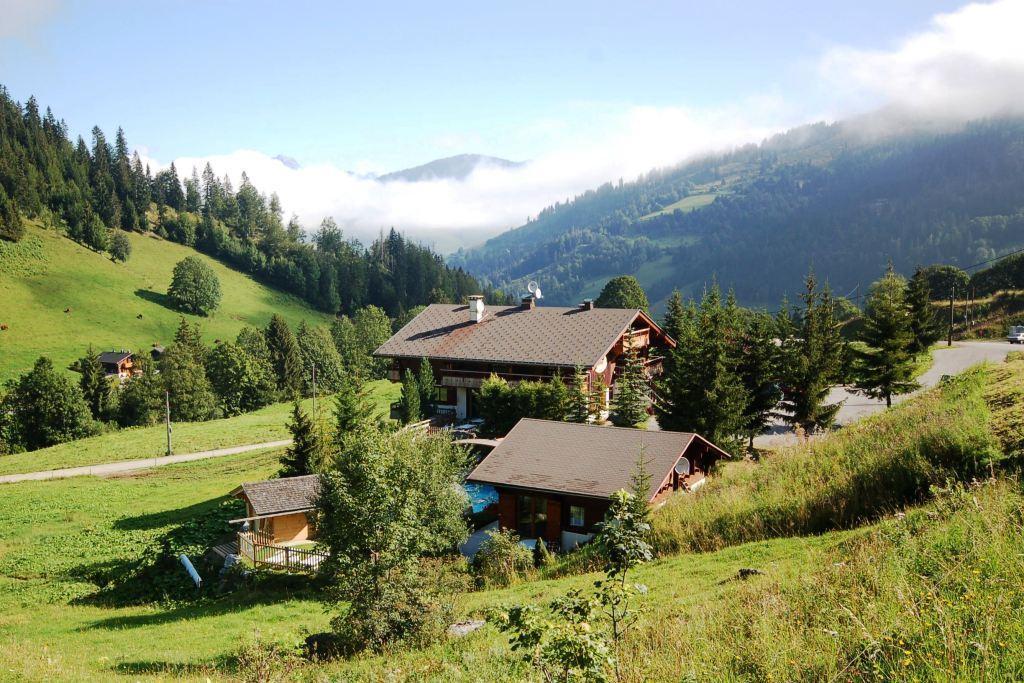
point(46, 273)
point(928, 592)
point(267, 424)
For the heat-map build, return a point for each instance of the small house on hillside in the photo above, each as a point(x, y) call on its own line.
point(466, 343)
point(554, 479)
point(118, 364)
point(279, 508)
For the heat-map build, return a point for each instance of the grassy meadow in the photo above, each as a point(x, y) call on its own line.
point(113, 305)
point(876, 564)
point(266, 424)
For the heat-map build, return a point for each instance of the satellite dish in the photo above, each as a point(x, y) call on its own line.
point(682, 467)
point(533, 288)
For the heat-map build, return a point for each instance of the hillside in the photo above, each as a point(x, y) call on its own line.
point(113, 305)
point(848, 590)
point(837, 198)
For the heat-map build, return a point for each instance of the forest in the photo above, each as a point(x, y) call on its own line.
point(823, 196)
point(94, 191)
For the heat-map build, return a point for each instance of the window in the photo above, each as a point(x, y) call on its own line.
point(442, 394)
point(532, 516)
point(577, 518)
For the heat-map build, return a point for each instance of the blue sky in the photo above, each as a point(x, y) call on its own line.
point(395, 84)
point(589, 92)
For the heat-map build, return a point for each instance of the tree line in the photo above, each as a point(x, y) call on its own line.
point(45, 406)
point(96, 193)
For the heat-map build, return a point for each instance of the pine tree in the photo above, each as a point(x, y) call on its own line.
point(811, 358)
point(923, 321)
point(886, 367)
point(352, 410)
point(702, 391)
point(675, 315)
point(11, 228)
point(631, 391)
point(285, 355)
point(579, 398)
point(189, 337)
point(427, 387)
point(93, 382)
point(306, 454)
point(759, 372)
point(409, 403)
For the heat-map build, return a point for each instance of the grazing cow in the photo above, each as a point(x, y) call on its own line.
point(67, 310)
point(3, 326)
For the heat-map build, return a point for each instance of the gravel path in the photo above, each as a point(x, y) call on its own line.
point(946, 361)
point(131, 465)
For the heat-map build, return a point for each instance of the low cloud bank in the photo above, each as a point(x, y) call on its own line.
point(966, 64)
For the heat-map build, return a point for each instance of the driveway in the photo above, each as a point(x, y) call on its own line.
point(131, 465)
point(946, 361)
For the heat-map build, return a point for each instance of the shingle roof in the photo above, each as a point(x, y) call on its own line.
point(113, 357)
point(582, 459)
point(545, 335)
point(274, 496)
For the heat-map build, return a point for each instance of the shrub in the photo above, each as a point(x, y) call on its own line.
point(501, 560)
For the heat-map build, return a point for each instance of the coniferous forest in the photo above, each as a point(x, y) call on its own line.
point(93, 190)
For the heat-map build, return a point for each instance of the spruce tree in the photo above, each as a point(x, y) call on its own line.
point(427, 388)
point(352, 410)
point(306, 454)
point(598, 398)
point(184, 379)
point(811, 358)
point(409, 404)
point(759, 371)
point(285, 355)
point(11, 228)
point(675, 315)
point(702, 391)
point(93, 382)
point(886, 367)
point(631, 392)
point(923, 321)
point(579, 398)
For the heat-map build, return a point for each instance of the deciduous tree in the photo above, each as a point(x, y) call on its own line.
point(194, 286)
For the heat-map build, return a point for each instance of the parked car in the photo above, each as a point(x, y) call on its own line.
point(1016, 334)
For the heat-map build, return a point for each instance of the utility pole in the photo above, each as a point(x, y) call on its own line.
point(952, 293)
point(167, 406)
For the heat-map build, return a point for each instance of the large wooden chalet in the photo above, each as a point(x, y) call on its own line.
point(467, 343)
point(554, 479)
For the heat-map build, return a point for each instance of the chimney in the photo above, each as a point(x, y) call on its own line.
point(528, 303)
point(476, 307)
point(587, 305)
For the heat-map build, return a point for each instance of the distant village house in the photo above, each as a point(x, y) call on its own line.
point(467, 343)
point(119, 364)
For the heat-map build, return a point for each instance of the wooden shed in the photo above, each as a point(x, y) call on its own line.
point(280, 508)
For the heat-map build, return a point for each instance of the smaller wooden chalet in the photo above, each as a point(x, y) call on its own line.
point(466, 343)
point(554, 479)
point(118, 364)
point(280, 508)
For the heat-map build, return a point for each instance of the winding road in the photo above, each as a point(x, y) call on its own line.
point(945, 361)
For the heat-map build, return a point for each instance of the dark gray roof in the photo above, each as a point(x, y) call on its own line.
point(114, 357)
point(582, 459)
point(545, 335)
point(275, 496)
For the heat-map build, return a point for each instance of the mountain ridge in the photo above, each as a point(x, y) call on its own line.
point(458, 167)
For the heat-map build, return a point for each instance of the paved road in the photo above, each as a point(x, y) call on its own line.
point(131, 465)
point(947, 361)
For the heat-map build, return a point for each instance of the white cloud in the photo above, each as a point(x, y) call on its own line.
point(968, 63)
point(622, 146)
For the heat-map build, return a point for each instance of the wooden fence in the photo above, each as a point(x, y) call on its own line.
point(259, 548)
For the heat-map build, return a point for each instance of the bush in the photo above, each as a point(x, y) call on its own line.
point(501, 560)
point(194, 286)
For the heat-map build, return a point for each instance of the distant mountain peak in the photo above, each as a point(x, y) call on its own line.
point(287, 161)
point(457, 167)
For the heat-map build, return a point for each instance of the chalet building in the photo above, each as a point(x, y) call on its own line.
point(465, 344)
point(279, 508)
point(554, 479)
point(118, 364)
